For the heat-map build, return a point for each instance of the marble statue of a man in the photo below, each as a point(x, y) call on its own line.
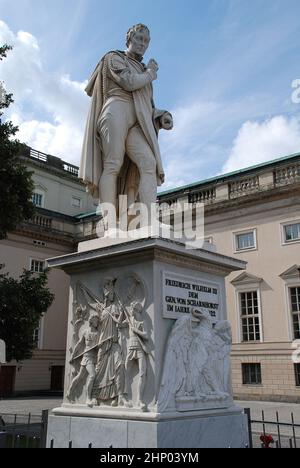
point(120, 153)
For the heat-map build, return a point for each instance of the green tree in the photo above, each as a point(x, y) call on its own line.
point(23, 302)
point(16, 186)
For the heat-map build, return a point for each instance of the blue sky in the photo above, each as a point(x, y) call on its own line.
point(226, 69)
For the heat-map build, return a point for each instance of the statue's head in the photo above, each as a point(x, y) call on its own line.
point(109, 288)
point(138, 39)
point(137, 308)
point(94, 320)
point(199, 315)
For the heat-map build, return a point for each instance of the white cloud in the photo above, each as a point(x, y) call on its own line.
point(260, 142)
point(50, 109)
point(184, 147)
point(198, 146)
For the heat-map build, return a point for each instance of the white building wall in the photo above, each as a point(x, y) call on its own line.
point(58, 193)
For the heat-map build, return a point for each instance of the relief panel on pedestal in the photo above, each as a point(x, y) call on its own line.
point(196, 372)
point(110, 345)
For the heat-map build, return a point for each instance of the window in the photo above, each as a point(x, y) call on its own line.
point(39, 243)
point(295, 306)
point(57, 378)
point(36, 337)
point(251, 374)
point(291, 232)
point(297, 374)
point(37, 266)
point(76, 202)
point(37, 199)
point(245, 241)
point(250, 316)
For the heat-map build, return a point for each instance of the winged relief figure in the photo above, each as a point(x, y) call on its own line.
point(197, 359)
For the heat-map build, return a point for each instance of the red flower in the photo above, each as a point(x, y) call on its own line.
point(267, 440)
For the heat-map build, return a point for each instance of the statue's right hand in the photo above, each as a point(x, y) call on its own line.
point(153, 65)
point(152, 68)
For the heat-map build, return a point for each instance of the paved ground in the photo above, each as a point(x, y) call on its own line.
point(284, 410)
point(28, 405)
point(36, 405)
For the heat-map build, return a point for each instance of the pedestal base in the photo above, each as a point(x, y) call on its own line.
point(222, 430)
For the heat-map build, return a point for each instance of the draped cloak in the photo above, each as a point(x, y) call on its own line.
point(92, 158)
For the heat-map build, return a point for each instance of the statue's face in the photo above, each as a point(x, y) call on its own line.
point(139, 42)
point(137, 309)
point(94, 322)
point(108, 289)
point(111, 296)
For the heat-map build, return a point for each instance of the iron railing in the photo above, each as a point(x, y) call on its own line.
point(30, 431)
point(23, 431)
point(275, 433)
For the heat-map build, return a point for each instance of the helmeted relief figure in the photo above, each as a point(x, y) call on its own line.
point(138, 350)
point(86, 351)
point(197, 363)
point(80, 315)
point(120, 153)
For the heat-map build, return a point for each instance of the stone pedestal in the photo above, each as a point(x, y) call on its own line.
point(169, 282)
point(213, 429)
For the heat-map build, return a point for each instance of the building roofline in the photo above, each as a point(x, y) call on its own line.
point(50, 163)
point(223, 177)
point(86, 215)
point(54, 214)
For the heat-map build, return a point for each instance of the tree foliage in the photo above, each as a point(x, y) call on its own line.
point(23, 302)
point(16, 186)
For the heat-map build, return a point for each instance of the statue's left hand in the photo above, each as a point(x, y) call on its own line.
point(166, 121)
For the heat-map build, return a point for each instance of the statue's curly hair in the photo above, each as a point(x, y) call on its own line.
point(133, 30)
point(93, 316)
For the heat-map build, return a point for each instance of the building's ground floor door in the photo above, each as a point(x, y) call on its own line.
point(7, 380)
point(57, 378)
